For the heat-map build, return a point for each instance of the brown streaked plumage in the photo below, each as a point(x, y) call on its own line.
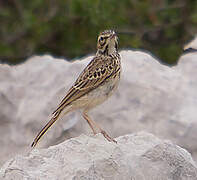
point(93, 86)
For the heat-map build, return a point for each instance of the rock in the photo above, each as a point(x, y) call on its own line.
point(140, 156)
point(153, 97)
point(29, 92)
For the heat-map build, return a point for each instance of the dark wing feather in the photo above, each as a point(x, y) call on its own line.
point(95, 73)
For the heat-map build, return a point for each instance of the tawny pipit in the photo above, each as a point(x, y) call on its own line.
point(93, 86)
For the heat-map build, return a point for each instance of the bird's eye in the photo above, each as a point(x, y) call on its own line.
point(101, 38)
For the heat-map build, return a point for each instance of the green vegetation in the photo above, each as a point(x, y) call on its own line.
point(68, 28)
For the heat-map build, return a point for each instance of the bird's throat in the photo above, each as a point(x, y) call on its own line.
point(108, 50)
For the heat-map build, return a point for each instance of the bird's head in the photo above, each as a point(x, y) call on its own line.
point(107, 43)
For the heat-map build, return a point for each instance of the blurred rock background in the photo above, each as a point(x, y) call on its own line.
point(68, 28)
point(151, 97)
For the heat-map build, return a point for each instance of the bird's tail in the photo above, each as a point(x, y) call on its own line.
point(45, 128)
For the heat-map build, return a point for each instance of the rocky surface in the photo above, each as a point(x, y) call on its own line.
point(140, 156)
point(151, 97)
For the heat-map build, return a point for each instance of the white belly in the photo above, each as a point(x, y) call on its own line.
point(98, 95)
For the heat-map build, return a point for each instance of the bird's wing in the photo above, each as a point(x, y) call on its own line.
point(95, 73)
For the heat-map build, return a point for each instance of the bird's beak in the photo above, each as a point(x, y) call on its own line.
point(113, 35)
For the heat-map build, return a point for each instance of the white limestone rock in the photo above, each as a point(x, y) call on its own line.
point(140, 156)
point(152, 97)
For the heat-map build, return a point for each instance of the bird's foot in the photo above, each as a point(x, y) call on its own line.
point(108, 137)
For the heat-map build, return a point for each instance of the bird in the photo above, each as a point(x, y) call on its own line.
point(96, 83)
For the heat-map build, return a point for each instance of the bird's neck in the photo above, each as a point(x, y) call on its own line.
point(107, 51)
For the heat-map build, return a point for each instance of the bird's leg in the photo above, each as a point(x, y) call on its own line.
point(90, 122)
point(93, 124)
point(107, 136)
